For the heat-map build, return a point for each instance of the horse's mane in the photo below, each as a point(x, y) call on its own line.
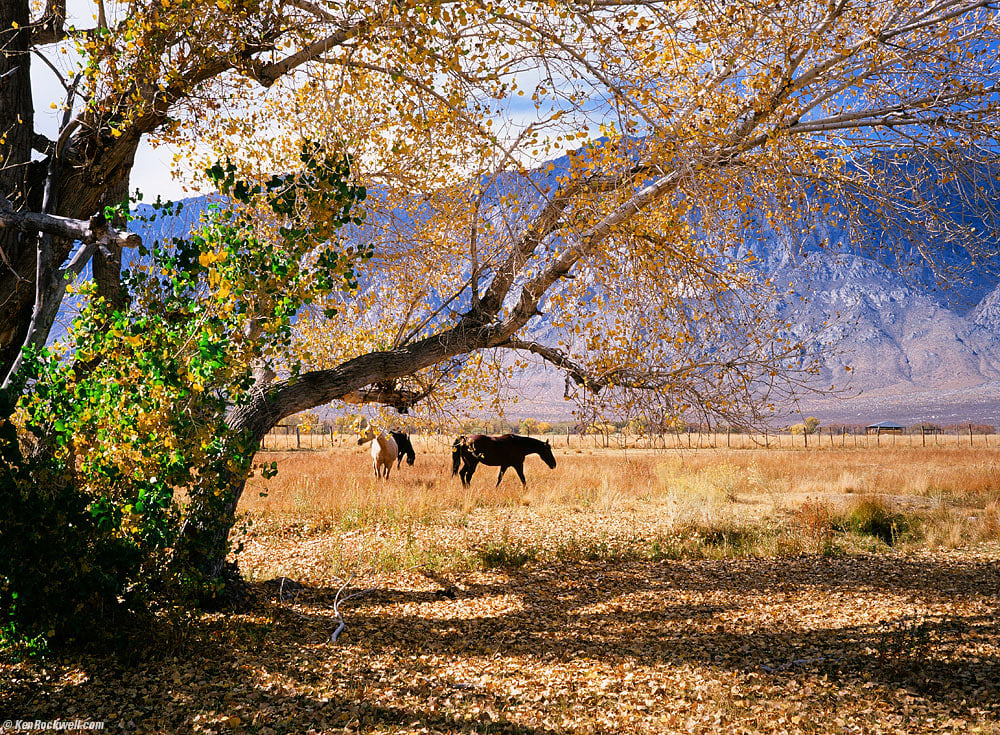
point(528, 440)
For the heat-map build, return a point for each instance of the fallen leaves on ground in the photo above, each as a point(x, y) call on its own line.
point(886, 643)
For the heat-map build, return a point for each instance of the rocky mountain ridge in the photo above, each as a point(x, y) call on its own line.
point(915, 352)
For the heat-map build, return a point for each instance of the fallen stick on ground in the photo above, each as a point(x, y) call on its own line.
point(341, 625)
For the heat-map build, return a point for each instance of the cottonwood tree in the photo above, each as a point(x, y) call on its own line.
point(596, 162)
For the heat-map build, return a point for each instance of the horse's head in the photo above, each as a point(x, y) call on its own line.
point(366, 436)
point(545, 452)
point(456, 454)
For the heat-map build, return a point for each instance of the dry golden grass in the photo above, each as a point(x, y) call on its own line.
point(614, 503)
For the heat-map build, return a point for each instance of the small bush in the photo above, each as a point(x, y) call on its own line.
point(600, 549)
point(731, 540)
point(505, 554)
point(816, 520)
point(15, 647)
point(871, 516)
point(988, 526)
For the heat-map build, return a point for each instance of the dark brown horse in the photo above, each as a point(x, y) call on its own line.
point(504, 451)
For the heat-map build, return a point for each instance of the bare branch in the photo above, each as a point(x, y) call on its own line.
point(562, 361)
point(268, 74)
point(96, 230)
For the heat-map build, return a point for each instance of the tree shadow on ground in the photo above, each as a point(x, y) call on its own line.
point(921, 627)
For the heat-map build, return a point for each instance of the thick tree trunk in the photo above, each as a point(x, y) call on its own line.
point(204, 541)
point(17, 125)
point(79, 193)
point(108, 268)
point(92, 170)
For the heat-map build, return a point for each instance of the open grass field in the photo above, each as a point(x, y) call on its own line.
point(834, 590)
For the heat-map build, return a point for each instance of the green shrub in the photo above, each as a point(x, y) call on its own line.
point(57, 564)
point(505, 554)
point(870, 516)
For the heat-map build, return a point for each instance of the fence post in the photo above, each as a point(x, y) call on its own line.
point(970, 435)
point(298, 439)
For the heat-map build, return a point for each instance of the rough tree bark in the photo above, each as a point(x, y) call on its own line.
point(18, 177)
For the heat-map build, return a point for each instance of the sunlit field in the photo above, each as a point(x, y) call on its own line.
point(828, 590)
point(625, 503)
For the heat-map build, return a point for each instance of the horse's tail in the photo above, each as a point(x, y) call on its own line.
point(456, 454)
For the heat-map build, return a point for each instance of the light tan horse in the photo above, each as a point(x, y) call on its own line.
point(384, 451)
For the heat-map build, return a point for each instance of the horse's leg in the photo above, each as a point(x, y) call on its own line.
point(503, 468)
point(467, 471)
point(520, 472)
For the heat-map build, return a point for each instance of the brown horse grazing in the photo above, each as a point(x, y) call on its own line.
point(504, 451)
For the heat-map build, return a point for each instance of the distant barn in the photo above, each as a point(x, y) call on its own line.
point(885, 427)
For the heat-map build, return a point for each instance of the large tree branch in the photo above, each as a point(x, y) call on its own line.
point(93, 231)
point(268, 74)
point(545, 223)
point(534, 289)
point(353, 378)
point(366, 377)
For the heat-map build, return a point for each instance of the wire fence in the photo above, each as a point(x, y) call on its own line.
point(293, 438)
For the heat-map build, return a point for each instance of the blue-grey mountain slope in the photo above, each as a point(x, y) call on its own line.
point(915, 352)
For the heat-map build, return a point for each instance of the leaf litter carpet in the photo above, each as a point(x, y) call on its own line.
point(845, 644)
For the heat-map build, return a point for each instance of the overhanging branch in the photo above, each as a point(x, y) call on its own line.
point(551, 355)
point(96, 230)
point(386, 394)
